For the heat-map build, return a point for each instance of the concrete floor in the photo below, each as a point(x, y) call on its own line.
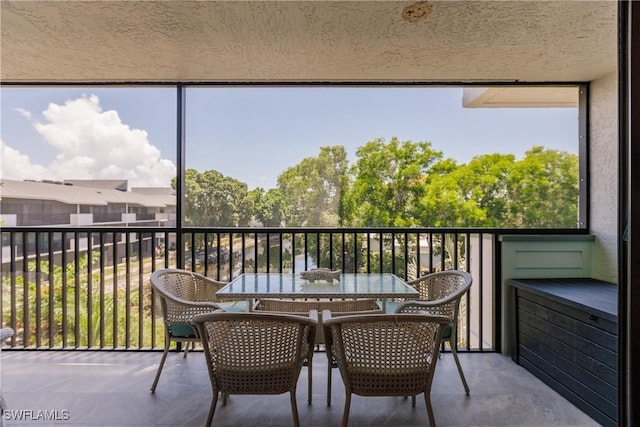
point(87, 388)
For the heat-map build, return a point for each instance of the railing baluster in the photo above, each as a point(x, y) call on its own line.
point(255, 252)
point(218, 257)
point(478, 283)
point(76, 286)
point(152, 305)
point(231, 257)
point(306, 250)
point(381, 253)
point(127, 291)
point(26, 338)
point(243, 259)
point(393, 253)
point(103, 252)
point(13, 297)
point(90, 290)
point(38, 300)
point(331, 250)
point(64, 290)
point(141, 288)
point(354, 266)
point(114, 321)
point(293, 252)
point(52, 291)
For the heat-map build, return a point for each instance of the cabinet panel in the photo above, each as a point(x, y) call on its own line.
point(576, 316)
point(566, 335)
point(590, 343)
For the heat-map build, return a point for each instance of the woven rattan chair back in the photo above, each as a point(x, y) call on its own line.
point(175, 287)
point(385, 354)
point(182, 295)
point(256, 353)
point(441, 294)
point(336, 307)
point(297, 306)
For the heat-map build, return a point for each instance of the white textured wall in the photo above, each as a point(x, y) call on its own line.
point(604, 176)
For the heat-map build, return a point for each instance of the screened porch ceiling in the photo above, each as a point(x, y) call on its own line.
point(307, 41)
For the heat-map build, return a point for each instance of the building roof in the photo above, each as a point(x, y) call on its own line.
point(81, 195)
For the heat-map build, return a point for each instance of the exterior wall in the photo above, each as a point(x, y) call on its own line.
point(38, 212)
point(604, 176)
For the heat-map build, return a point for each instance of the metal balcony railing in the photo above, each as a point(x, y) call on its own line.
point(79, 288)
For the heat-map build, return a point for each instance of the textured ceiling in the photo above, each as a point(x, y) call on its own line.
point(306, 41)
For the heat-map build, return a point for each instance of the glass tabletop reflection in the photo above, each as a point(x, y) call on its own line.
point(289, 285)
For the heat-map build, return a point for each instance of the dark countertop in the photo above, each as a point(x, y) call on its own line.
point(580, 293)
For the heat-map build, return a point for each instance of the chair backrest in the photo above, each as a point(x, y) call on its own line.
point(184, 294)
point(440, 293)
point(304, 306)
point(343, 307)
point(185, 285)
point(255, 353)
point(385, 354)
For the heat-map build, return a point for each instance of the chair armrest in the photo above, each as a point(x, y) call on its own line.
point(437, 307)
point(311, 338)
point(328, 340)
point(188, 303)
point(184, 311)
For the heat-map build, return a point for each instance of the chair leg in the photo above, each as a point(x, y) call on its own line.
point(413, 400)
point(212, 409)
point(347, 407)
point(329, 367)
point(310, 381)
point(294, 408)
point(454, 350)
point(186, 348)
point(164, 357)
point(427, 402)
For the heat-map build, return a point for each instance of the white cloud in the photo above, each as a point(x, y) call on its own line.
point(16, 165)
point(94, 144)
point(24, 112)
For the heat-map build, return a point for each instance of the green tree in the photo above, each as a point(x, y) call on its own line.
point(269, 207)
point(388, 182)
point(313, 189)
point(469, 195)
point(213, 199)
point(495, 190)
point(543, 190)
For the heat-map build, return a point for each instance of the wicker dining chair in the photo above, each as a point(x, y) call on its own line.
point(385, 354)
point(182, 294)
point(337, 307)
point(440, 294)
point(256, 353)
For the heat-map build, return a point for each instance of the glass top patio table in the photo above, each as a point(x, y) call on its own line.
point(288, 285)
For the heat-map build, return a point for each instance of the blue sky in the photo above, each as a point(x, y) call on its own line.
point(249, 133)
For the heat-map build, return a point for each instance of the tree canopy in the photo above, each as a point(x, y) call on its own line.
point(397, 184)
